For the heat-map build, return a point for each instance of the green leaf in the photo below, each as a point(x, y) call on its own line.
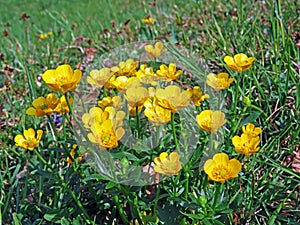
point(63, 221)
point(120, 155)
point(251, 118)
point(110, 185)
point(50, 217)
point(16, 219)
point(194, 216)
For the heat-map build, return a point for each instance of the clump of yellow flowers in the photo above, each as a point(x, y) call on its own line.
point(220, 168)
point(248, 142)
point(145, 92)
point(63, 80)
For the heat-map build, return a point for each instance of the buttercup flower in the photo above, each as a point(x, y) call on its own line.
point(168, 72)
point(246, 144)
point(115, 102)
point(211, 121)
point(116, 116)
point(28, 140)
point(62, 79)
point(156, 50)
point(251, 130)
point(167, 164)
point(146, 75)
point(99, 77)
point(127, 68)
point(196, 95)
point(240, 62)
point(219, 82)
point(95, 115)
point(148, 20)
point(123, 82)
point(136, 96)
point(62, 107)
point(45, 35)
point(104, 135)
point(220, 168)
point(172, 98)
point(72, 153)
point(46, 106)
point(155, 113)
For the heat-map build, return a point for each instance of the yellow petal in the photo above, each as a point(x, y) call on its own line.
point(39, 135)
point(31, 111)
point(30, 133)
point(49, 76)
point(221, 159)
point(64, 70)
point(19, 138)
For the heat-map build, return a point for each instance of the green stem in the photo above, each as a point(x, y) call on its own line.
point(156, 200)
point(258, 109)
point(86, 215)
point(64, 125)
point(135, 211)
point(186, 175)
point(239, 121)
point(82, 130)
point(137, 116)
point(121, 210)
point(236, 96)
point(174, 131)
point(217, 194)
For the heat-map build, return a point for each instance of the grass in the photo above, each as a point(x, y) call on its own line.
point(39, 187)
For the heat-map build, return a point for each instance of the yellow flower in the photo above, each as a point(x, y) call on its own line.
point(219, 82)
point(240, 62)
point(155, 113)
point(116, 116)
point(167, 164)
point(156, 50)
point(43, 36)
point(62, 107)
point(109, 83)
point(172, 98)
point(123, 82)
point(72, 154)
point(62, 79)
point(148, 20)
point(211, 121)
point(104, 135)
point(43, 106)
point(95, 114)
point(220, 168)
point(168, 73)
point(115, 102)
point(46, 106)
point(246, 144)
point(251, 130)
point(146, 75)
point(127, 68)
point(196, 95)
point(136, 96)
point(99, 77)
point(29, 140)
